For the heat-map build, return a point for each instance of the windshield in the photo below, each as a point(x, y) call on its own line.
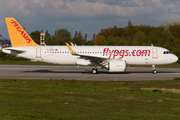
point(167, 52)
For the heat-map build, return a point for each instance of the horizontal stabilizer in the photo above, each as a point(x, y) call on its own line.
point(17, 50)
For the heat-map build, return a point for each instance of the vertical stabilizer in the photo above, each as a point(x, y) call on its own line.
point(17, 34)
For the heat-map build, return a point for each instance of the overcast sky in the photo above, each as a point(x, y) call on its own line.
point(87, 16)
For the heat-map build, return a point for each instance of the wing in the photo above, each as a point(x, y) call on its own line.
point(82, 55)
point(95, 59)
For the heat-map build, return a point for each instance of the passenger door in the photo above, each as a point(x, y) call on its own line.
point(154, 53)
point(38, 52)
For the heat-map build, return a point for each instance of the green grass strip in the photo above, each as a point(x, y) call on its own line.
point(88, 100)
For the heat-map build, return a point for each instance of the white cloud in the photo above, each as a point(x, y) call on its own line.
point(87, 9)
point(82, 8)
point(17, 7)
point(87, 15)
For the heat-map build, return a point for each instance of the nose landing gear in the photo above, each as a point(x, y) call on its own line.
point(154, 69)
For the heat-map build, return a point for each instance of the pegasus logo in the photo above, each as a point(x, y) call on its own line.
point(21, 30)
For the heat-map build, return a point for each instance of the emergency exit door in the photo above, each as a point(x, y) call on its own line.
point(38, 52)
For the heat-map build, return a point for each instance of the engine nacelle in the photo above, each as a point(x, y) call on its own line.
point(117, 66)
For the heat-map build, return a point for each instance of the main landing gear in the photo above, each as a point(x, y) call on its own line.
point(94, 71)
point(154, 69)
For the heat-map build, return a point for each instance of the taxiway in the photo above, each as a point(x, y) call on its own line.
point(84, 73)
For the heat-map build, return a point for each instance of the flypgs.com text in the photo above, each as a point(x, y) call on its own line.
point(122, 53)
point(21, 30)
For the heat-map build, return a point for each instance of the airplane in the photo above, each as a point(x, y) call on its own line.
point(112, 58)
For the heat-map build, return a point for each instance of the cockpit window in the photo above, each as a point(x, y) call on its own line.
point(167, 52)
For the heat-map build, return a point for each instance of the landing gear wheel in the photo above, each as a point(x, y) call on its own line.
point(154, 71)
point(94, 71)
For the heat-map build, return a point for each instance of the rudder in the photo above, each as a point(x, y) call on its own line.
point(17, 34)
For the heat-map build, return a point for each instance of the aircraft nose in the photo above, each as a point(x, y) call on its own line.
point(175, 58)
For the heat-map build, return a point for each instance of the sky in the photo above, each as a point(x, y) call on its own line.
point(87, 16)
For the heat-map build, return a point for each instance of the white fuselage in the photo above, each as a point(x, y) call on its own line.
point(133, 55)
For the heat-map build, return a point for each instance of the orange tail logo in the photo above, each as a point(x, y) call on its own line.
point(17, 34)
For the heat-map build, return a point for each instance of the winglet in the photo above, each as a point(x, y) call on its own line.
point(72, 44)
point(70, 49)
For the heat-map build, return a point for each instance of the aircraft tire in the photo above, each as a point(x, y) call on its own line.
point(94, 71)
point(154, 71)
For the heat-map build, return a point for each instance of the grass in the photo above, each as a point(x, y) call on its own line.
point(88, 100)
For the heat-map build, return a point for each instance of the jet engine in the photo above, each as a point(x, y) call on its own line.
point(116, 66)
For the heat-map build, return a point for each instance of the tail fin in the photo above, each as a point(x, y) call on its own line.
point(17, 34)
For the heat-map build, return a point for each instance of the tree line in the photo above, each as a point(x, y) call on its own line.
point(62, 36)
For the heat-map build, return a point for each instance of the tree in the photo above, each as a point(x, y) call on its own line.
point(49, 40)
point(165, 25)
point(78, 40)
point(63, 36)
point(89, 43)
point(129, 23)
point(36, 36)
point(167, 35)
point(99, 40)
point(139, 35)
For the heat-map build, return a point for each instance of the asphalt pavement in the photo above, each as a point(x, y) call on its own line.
point(84, 73)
